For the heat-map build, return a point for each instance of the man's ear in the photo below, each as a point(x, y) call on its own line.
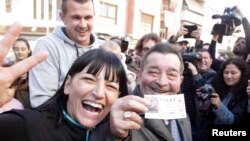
point(62, 17)
point(182, 77)
point(67, 86)
point(139, 76)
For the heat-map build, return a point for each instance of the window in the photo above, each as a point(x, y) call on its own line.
point(58, 9)
point(163, 31)
point(8, 6)
point(146, 23)
point(50, 9)
point(43, 6)
point(108, 12)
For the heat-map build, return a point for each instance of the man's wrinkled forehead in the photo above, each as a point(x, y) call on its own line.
point(147, 59)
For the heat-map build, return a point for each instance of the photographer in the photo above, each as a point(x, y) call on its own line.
point(228, 102)
point(200, 74)
point(184, 32)
point(242, 45)
point(187, 88)
point(201, 70)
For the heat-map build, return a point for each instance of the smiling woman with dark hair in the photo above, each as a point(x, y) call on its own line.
point(79, 110)
point(228, 104)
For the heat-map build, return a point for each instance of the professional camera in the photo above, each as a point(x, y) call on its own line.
point(206, 92)
point(128, 59)
point(229, 21)
point(190, 54)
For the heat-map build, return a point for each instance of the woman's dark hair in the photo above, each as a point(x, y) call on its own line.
point(239, 89)
point(26, 43)
point(95, 59)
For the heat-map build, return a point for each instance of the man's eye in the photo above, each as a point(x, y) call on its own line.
point(173, 75)
point(76, 17)
point(153, 73)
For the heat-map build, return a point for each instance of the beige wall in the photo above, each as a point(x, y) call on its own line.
point(119, 28)
point(151, 7)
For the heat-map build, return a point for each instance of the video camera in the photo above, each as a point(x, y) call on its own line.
point(190, 54)
point(206, 92)
point(229, 21)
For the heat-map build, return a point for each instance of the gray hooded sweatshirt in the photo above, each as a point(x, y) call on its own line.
point(48, 76)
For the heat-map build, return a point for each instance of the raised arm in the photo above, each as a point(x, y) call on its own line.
point(9, 74)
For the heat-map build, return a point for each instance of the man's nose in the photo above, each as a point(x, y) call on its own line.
point(162, 79)
point(83, 23)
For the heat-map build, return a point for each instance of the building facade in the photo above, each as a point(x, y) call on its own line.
point(124, 18)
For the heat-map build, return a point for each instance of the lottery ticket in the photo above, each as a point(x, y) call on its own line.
point(166, 106)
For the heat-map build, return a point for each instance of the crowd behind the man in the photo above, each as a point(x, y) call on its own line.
point(152, 66)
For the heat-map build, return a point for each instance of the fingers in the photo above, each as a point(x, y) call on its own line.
point(124, 114)
point(8, 40)
point(121, 123)
point(215, 99)
point(133, 103)
point(196, 33)
point(132, 116)
point(198, 93)
point(182, 31)
point(121, 131)
point(25, 65)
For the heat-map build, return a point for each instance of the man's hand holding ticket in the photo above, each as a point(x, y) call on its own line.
point(166, 106)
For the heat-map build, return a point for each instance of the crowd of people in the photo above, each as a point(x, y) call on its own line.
point(73, 86)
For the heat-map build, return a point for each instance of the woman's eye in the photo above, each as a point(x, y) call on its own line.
point(88, 79)
point(112, 87)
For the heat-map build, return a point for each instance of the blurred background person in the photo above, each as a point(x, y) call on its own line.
point(22, 50)
point(113, 47)
point(143, 45)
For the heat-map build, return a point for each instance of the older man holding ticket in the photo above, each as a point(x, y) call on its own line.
point(161, 114)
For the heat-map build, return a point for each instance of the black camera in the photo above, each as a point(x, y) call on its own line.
point(206, 92)
point(190, 54)
point(229, 21)
point(128, 59)
point(190, 29)
point(124, 45)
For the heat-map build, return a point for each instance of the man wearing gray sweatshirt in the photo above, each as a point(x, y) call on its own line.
point(64, 45)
